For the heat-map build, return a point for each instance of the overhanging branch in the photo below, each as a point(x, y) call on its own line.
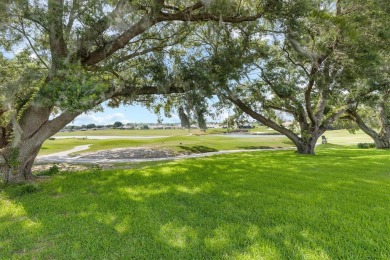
point(149, 20)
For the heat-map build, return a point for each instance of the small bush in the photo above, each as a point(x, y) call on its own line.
point(52, 138)
point(96, 168)
point(26, 189)
point(365, 145)
point(53, 170)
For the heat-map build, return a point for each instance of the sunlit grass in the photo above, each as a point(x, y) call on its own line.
point(180, 141)
point(263, 205)
point(343, 137)
point(156, 132)
point(148, 132)
point(176, 143)
point(59, 145)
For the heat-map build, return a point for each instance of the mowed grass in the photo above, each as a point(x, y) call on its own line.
point(176, 143)
point(179, 140)
point(117, 132)
point(262, 205)
point(343, 137)
point(155, 132)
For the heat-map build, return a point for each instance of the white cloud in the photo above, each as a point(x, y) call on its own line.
point(100, 119)
point(18, 50)
point(33, 56)
point(206, 2)
point(174, 119)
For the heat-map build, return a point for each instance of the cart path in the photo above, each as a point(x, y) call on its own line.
point(64, 157)
point(66, 153)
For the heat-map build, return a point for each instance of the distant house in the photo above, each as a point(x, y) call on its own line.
point(214, 126)
point(156, 126)
point(246, 126)
point(287, 123)
point(126, 127)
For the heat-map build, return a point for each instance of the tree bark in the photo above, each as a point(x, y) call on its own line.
point(307, 147)
point(18, 161)
point(17, 158)
point(381, 139)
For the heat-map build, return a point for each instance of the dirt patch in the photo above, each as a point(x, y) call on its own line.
point(67, 167)
point(120, 153)
point(131, 153)
point(123, 158)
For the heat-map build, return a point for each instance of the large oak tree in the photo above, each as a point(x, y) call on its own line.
point(369, 66)
point(288, 66)
point(68, 56)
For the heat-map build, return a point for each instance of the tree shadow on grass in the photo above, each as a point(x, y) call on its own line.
point(334, 146)
point(249, 205)
point(198, 149)
point(253, 147)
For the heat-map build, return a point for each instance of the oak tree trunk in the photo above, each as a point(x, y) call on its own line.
point(381, 138)
point(309, 136)
point(306, 143)
point(307, 147)
point(17, 156)
point(382, 141)
point(18, 161)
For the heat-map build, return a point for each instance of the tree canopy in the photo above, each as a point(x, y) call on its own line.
point(270, 68)
point(68, 56)
point(368, 65)
point(312, 64)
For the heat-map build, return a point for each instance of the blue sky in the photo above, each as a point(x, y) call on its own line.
point(128, 114)
point(124, 114)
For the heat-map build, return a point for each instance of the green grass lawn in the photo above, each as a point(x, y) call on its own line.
point(154, 132)
point(263, 205)
point(149, 132)
point(176, 143)
point(343, 137)
point(179, 140)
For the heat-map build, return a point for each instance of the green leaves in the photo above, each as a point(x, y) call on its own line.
point(75, 89)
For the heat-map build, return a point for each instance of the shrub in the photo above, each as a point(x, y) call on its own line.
point(53, 170)
point(365, 145)
point(26, 189)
